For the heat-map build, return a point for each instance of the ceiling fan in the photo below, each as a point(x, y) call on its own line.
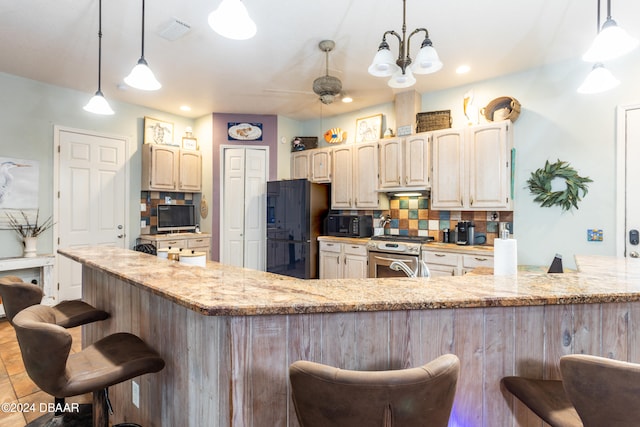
point(327, 87)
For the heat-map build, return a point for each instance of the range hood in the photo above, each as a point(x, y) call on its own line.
point(407, 192)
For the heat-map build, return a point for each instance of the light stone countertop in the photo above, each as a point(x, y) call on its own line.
point(219, 290)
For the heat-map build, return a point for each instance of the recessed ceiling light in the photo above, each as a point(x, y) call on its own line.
point(347, 99)
point(463, 69)
point(185, 108)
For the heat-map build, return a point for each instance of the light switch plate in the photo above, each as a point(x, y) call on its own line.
point(143, 207)
point(595, 235)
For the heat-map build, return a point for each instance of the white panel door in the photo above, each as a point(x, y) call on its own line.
point(255, 214)
point(233, 207)
point(244, 207)
point(629, 134)
point(92, 199)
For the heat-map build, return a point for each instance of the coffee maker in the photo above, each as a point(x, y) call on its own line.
point(465, 231)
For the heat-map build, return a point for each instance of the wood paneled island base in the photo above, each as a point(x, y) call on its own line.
point(232, 370)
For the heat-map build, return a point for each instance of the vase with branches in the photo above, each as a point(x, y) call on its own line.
point(26, 228)
point(29, 231)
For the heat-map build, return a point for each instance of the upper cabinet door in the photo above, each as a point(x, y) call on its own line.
point(391, 163)
point(365, 180)
point(447, 188)
point(416, 163)
point(489, 148)
point(159, 167)
point(320, 163)
point(300, 165)
point(190, 171)
point(342, 178)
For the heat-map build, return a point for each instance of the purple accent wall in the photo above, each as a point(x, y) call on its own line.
point(219, 138)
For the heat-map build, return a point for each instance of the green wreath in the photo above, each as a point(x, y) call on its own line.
point(540, 185)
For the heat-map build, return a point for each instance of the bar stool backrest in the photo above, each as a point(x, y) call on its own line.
point(604, 392)
point(422, 396)
point(18, 295)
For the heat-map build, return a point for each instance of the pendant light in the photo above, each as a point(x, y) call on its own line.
point(231, 20)
point(401, 70)
point(141, 77)
point(599, 80)
point(98, 104)
point(611, 42)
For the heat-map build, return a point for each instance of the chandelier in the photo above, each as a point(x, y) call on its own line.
point(400, 70)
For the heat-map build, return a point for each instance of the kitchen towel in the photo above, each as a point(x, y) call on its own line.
point(505, 257)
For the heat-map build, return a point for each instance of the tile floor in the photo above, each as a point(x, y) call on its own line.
point(15, 384)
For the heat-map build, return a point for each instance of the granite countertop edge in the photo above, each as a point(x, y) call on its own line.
point(224, 290)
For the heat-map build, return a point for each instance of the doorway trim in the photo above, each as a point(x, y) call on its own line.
point(621, 173)
point(57, 130)
point(221, 185)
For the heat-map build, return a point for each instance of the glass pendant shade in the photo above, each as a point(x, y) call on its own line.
point(141, 77)
point(98, 105)
point(400, 80)
point(384, 64)
point(231, 20)
point(427, 61)
point(612, 42)
point(599, 80)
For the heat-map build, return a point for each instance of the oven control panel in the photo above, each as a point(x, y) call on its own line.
point(396, 247)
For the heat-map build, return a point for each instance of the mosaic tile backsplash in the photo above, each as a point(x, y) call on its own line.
point(154, 198)
point(411, 216)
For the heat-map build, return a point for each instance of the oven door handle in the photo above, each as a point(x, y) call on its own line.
point(381, 258)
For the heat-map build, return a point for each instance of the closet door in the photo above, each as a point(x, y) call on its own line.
point(244, 207)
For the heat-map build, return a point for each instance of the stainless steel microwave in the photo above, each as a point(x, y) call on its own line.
point(349, 225)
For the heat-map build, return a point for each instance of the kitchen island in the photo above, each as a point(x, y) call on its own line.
point(228, 334)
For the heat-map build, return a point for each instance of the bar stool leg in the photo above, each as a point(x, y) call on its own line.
point(100, 408)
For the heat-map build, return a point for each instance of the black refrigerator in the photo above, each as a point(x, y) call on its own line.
point(295, 213)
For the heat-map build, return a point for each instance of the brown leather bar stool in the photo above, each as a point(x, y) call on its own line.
point(111, 360)
point(18, 295)
point(327, 396)
point(594, 392)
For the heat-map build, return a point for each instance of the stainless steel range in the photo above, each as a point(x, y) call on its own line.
point(397, 256)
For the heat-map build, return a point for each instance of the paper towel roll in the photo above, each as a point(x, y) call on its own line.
point(505, 257)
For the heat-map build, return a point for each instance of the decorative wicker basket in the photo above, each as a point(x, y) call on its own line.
point(299, 143)
point(507, 107)
point(433, 120)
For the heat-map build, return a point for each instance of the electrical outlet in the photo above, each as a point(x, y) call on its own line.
point(594, 235)
point(143, 207)
point(135, 393)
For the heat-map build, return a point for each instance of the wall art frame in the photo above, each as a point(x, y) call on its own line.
point(158, 132)
point(369, 128)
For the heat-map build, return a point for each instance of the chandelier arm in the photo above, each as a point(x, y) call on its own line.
point(413, 33)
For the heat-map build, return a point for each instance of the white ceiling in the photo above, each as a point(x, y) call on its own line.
point(272, 73)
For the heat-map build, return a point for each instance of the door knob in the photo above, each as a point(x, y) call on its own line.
point(634, 254)
point(120, 236)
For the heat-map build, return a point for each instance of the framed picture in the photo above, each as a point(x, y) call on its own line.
point(189, 143)
point(158, 132)
point(241, 131)
point(369, 128)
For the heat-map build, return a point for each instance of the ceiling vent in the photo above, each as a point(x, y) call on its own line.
point(174, 29)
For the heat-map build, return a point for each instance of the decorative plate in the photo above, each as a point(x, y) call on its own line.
point(245, 132)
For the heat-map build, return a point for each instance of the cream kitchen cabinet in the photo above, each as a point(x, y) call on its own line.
point(404, 162)
point(300, 164)
point(314, 165)
point(166, 168)
point(455, 262)
point(198, 242)
point(343, 260)
point(355, 176)
point(472, 168)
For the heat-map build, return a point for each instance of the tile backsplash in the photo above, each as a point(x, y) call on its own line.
point(411, 216)
point(151, 199)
